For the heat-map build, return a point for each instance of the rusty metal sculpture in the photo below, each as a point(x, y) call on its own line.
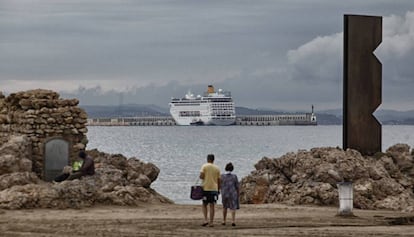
point(362, 83)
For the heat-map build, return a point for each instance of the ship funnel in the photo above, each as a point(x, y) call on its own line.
point(210, 89)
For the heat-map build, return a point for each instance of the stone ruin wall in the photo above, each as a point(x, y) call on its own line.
point(41, 115)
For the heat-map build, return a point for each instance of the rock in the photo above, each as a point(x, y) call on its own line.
point(396, 202)
point(117, 181)
point(79, 146)
point(151, 171)
point(14, 156)
point(397, 149)
point(335, 175)
point(309, 177)
point(17, 178)
point(401, 156)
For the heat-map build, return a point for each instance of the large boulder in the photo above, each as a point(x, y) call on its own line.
point(14, 155)
point(400, 153)
point(18, 178)
point(382, 181)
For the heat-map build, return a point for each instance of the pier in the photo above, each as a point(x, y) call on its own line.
point(133, 121)
point(276, 120)
point(244, 120)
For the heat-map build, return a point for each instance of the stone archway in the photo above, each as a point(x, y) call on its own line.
point(56, 156)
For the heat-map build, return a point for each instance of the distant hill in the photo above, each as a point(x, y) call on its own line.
point(248, 111)
point(328, 119)
point(386, 116)
point(129, 110)
point(324, 117)
point(395, 117)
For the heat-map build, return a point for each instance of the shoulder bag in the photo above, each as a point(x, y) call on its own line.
point(196, 191)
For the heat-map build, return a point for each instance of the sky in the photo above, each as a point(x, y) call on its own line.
point(279, 54)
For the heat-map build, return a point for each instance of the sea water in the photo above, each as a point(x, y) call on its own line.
point(179, 151)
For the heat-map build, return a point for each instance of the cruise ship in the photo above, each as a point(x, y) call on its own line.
point(213, 108)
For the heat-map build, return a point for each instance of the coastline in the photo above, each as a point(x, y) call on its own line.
point(185, 220)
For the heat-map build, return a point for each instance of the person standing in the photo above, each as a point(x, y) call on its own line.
point(230, 192)
point(210, 174)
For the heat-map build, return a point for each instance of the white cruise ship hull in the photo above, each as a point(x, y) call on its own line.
point(214, 108)
point(205, 121)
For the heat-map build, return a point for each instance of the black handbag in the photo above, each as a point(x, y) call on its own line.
point(196, 192)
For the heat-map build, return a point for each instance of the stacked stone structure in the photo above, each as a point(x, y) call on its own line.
point(37, 128)
point(41, 115)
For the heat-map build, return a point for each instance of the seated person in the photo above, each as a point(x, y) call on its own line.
point(76, 165)
point(86, 166)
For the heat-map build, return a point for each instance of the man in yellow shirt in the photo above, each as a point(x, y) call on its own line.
point(210, 174)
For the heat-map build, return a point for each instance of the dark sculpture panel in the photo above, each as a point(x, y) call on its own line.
point(362, 83)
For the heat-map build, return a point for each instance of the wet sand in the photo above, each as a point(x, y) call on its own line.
point(186, 220)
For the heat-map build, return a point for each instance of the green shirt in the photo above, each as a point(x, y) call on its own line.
point(76, 165)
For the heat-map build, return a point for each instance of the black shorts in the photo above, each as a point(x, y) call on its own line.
point(210, 197)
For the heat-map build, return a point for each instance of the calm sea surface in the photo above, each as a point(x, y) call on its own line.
point(179, 151)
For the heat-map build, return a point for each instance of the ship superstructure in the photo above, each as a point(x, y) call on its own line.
point(213, 108)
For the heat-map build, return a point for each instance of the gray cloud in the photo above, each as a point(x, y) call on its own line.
point(320, 60)
point(274, 54)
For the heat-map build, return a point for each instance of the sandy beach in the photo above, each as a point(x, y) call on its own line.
point(185, 220)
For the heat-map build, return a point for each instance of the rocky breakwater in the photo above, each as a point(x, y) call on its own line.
point(382, 181)
point(118, 181)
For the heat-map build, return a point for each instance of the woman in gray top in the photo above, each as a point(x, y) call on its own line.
point(230, 192)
